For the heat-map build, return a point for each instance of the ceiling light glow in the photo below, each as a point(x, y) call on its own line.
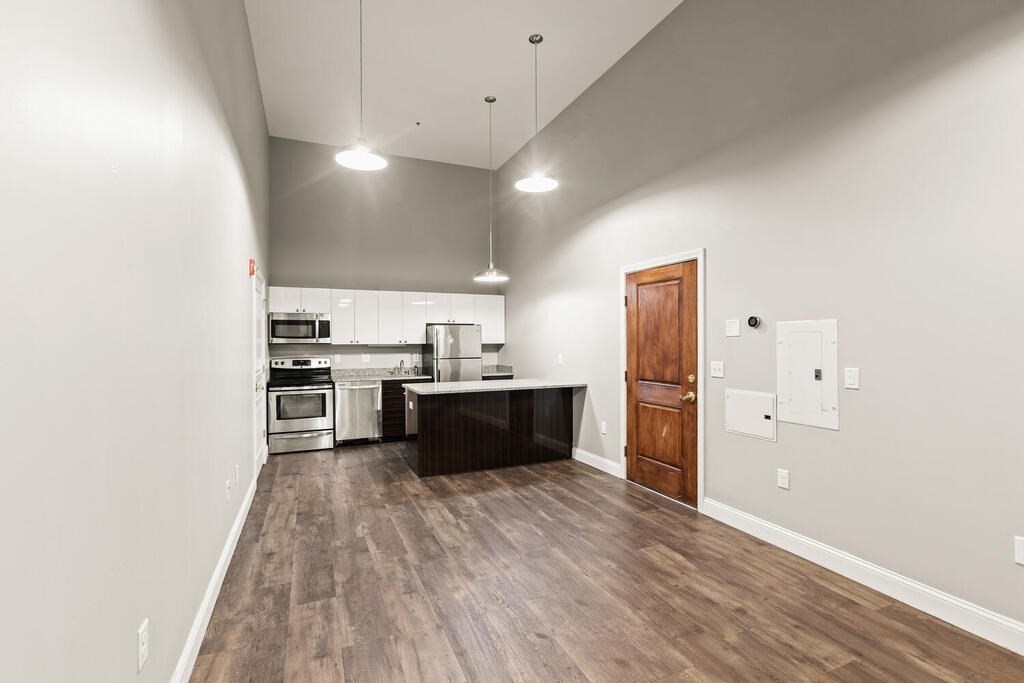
point(536, 183)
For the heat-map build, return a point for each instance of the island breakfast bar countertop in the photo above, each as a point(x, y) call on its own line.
point(465, 426)
point(436, 388)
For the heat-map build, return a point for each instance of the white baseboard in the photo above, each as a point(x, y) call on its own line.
point(982, 622)
point(187, 660)
point(597, 462)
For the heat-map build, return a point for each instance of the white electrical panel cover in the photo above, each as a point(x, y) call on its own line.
point(807, 353)
point(751, 413)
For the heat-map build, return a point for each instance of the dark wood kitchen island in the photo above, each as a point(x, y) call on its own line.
point(464, 426)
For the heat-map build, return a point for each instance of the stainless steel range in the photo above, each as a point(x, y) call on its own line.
point(300, 413)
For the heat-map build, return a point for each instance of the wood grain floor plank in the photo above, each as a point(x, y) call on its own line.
point(312, 651)
point(349, 567)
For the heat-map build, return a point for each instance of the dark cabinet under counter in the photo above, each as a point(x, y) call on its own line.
point(392, 401)
point(466, 426)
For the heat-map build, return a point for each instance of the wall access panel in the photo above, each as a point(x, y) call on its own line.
point(807, 353)
point(751, 413)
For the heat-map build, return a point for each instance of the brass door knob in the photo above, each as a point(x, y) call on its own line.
point(690, 397)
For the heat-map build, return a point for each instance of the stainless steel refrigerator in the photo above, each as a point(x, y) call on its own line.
point(453, 353)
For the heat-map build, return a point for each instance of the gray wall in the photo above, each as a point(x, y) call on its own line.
point(135, 189)
point(855, 160)
point(416, 225)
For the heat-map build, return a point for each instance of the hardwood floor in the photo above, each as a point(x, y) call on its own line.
point(351, 568)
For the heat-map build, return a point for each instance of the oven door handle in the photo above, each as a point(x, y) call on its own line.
point(308, 435)
point(303, 390)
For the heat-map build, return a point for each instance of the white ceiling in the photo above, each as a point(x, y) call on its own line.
point(434, 62)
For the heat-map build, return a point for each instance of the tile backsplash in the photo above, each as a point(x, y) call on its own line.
point(351, 357)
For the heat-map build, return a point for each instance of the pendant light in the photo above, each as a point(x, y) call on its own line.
point(537, 181)
point(490, 274)
point(360, 157)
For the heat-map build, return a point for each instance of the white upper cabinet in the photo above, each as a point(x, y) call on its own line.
point(354, 316)
point(299, 300)
point(490, 315)
point(463, 308)
point(450, 308)
point(366, 317)
point(389, 323)
point(362, 316)
point(343, 317)
point(438, 308)
point(284, 300)
point(316, 300)
point(414, 318)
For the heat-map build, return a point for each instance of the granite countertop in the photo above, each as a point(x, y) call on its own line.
point(376, 378)
point(435, 388)
point(386, 374)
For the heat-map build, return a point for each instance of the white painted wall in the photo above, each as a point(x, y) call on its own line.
point(133, 168)
point(415, 226)
point(837, 159)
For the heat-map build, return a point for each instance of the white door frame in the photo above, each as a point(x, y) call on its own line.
point(691, 255)
point(259, 293)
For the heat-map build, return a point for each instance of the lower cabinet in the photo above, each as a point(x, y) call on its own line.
point(392, 398)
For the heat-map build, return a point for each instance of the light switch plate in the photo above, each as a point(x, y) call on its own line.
point(1018, 549)
point(718, 368)
point(782, 478)
point(732, 328)
point(604, 427)
point(851, 378)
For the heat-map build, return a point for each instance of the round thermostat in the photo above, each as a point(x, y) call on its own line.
point(754, 321)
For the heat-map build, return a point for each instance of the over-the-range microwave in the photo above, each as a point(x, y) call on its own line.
point(299, 328)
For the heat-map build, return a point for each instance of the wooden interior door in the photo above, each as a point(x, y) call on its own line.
point(661, 380)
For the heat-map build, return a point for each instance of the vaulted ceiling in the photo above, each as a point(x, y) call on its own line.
point(428, 66)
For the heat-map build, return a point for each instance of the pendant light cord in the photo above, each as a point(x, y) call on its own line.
point(360, 69)
point(490, 184)
point(536, 127)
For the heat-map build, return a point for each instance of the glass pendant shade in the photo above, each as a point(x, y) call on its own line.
point(536, 183)
point(360, 157)
point(491, 275)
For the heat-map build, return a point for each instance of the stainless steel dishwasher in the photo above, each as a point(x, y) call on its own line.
point(357, 410)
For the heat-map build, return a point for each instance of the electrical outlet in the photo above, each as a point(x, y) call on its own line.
point(851, 378)
point(604, 427)
point(1018, 549)
point(561, 361)
point(782, 478)
point(227, 490)
point(237, 474)
point(416, 358)
point(366, 358)
point(142, 640)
